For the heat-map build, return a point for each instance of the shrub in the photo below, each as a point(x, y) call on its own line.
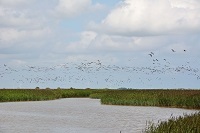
point(37, 88)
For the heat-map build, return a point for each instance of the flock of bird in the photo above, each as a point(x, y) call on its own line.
point(96, 72)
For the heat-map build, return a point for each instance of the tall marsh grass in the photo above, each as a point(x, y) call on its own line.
point(9, 95)
point(189, 99)
point(165, 98)
point(181, 124)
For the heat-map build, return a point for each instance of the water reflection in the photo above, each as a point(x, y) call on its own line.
point(81, 115)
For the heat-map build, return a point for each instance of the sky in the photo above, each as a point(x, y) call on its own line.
point(100, 43)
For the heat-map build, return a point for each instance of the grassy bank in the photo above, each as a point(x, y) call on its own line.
point(164, 98)
point(9, 95)
point(182, 124)
point(189, 99)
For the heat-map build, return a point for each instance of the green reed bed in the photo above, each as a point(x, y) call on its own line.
point(181, 124)
point(74, 93)
point(9, 95)
point(165, 98)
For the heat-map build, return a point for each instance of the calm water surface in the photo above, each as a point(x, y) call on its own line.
point(79, 115)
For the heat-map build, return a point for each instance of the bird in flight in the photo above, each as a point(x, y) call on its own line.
point(173, 50)
point(150, 55)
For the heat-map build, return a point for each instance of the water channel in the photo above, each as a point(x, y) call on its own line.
point(79, 115)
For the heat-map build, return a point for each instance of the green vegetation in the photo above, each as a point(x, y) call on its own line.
point(9, 95)
point(189, 99)
point(181, 124)
point(165, 98)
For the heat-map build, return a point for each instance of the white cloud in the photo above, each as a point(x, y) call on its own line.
point(15, 3)
point(92, 42)
point(87, 39)
point(70, 8)
point(129, 23)
point(112, 43)
point(19, 19)
point(190, 4)
point(21, 25)
point(98, 7)
point(152, 17)
point(11, 37)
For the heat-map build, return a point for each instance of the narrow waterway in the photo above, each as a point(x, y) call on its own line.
point(79, 115)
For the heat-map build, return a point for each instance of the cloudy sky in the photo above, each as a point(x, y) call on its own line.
point(100, 43)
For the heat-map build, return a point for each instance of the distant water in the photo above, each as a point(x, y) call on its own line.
point(79, 115)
